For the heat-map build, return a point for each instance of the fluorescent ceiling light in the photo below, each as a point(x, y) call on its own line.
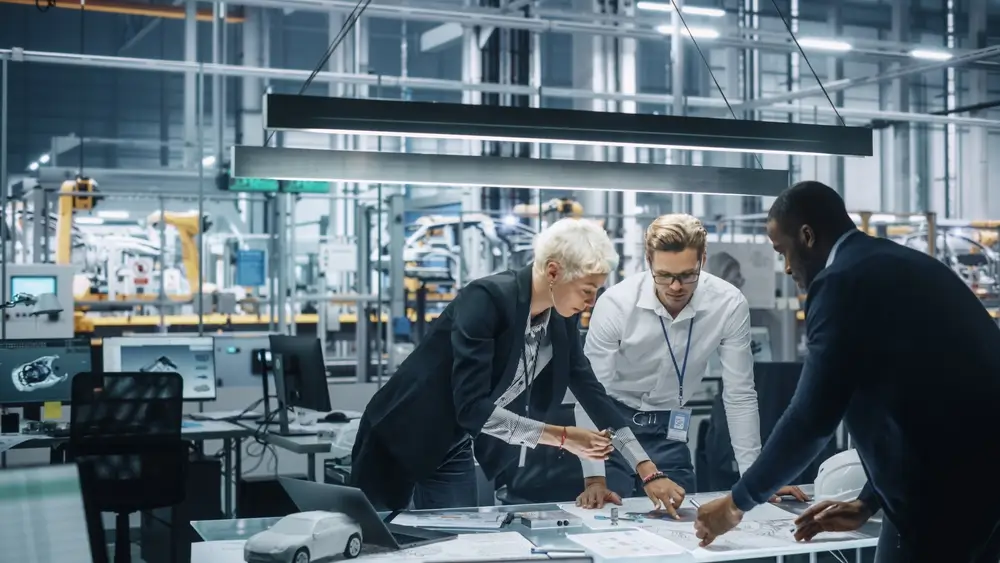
point(88, 220)
point(696, 32)
point(351, 116)
point(44, 159)
point(930, 55)
point(654, 6)
point(33, 166)
point(113, 214)
point(689, 10)
point(456, 170)
point(208, 161)
point(824, 44)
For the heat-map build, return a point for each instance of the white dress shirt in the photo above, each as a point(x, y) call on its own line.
point(628, 351)
point(515, 429)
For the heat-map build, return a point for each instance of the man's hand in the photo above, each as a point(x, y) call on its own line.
point(831, 516)
point(583, 443)
point(596, 494)
point(666, 495)
point(790, 490)
point(716, 518)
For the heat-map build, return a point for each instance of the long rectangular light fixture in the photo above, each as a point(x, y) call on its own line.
point(666, 7)
point(542, 125)
point(696, 32)
point(930, 55)
point(821, 44)
point(456, 170)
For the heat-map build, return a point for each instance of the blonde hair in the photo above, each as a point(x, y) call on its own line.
point(579, 246)
point(675, 233)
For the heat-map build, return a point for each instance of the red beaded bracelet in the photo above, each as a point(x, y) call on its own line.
point(652, 477)
point(562, 440)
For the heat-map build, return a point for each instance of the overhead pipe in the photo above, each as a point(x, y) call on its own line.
point(416, 83)
point(848, 83)
point(559, 22)
point(129, 9)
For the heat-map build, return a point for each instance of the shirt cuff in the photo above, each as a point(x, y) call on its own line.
point(513, 429)
point(625, 442)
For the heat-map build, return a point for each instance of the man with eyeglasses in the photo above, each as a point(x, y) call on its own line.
point(649, 342)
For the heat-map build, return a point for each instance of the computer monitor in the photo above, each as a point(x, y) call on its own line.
point(32, 285)
point(193, 357)
point(41, 371)
point(300, 372)
point(44, 519)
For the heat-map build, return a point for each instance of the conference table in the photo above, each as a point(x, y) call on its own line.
point(760, 538)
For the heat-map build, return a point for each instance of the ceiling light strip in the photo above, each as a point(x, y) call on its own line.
point(558, 126)
point(456, 170)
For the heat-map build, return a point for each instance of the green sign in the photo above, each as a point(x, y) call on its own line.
point(264, 185)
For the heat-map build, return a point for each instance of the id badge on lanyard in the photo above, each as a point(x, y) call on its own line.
point(680, 418)
point(527, 399)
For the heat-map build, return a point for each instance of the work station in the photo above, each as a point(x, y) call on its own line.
point(495, 280)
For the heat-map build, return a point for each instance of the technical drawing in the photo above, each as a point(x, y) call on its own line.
point(40, 373)
point(161, 364)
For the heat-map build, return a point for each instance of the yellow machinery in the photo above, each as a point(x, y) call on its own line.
point(557, 208)
point(70, 200)
point(189, 226)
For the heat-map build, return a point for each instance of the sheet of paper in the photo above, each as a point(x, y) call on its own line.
point(682, 533)
point(468, 521)
point(229, 551)
point(466, 547)
point(8, 442)
point(52, 410)
point(626, 544)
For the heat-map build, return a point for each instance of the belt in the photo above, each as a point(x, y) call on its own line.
point(650, 418)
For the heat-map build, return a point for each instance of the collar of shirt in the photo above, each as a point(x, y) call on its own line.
point(541, 324)
point(836, 246)
point(648, 300)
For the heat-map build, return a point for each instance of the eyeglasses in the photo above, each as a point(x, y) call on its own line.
point(684, 279)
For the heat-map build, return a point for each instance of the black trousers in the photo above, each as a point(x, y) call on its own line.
point(384, 479)
point(978, 542)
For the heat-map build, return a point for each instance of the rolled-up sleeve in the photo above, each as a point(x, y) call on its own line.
point(738, 393)
point(513, 428)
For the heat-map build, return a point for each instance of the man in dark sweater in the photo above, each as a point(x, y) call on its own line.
point(904, 353)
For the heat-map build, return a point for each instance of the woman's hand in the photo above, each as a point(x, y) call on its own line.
point(583, 443)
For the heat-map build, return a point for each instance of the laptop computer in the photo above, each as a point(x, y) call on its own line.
point(44, 518)
point(308, 495)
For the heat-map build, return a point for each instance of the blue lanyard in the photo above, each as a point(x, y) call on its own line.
point(679, 368)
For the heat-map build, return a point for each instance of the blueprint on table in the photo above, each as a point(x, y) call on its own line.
point(766, 526)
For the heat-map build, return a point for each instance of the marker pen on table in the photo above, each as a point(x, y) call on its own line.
point(556, 551)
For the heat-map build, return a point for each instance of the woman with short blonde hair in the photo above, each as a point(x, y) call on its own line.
point(499, 358)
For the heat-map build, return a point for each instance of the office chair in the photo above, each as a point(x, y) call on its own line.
point(125, 433)
point(775, 383)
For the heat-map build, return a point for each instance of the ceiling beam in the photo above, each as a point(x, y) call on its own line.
point(848, 83)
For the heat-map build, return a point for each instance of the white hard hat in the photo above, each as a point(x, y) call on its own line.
point(841, 477)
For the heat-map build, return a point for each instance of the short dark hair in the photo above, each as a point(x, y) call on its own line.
point(814, 204)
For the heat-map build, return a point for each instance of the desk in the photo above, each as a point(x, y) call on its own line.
point(308, 444)
point(222, 530)
point(193, 431)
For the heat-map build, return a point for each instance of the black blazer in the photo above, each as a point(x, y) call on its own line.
point(901, 349)
point(446, 388)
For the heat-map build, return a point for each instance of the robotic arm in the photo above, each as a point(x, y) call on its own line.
point(189, 226)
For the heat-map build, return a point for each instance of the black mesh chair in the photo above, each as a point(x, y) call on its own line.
point(776, 383)
point(125, 434)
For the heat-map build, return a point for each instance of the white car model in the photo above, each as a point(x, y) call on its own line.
point(306, 537)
